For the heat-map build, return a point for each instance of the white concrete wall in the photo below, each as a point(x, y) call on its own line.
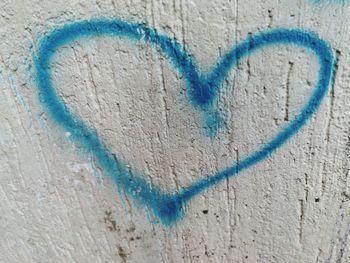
point(57, 205)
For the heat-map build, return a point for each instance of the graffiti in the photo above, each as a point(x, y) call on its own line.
point(329, 2)
point(203, 89)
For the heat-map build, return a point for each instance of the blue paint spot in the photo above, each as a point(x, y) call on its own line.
point(329, 2)
point(203, 89)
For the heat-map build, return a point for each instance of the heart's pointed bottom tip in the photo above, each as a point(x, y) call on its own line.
point(169, 209)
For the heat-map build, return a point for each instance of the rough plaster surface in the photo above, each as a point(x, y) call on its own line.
point(57, 205)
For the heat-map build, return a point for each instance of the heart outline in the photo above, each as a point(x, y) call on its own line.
point(203, 90)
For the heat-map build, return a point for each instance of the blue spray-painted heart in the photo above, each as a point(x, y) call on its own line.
point(203, 90)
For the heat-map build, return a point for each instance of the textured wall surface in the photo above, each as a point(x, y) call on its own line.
point(59, 205)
